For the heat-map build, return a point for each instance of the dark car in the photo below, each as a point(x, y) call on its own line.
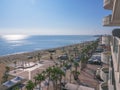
point(77, 59)
point(63, 57)
point(95, 60)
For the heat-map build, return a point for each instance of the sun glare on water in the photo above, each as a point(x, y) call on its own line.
point(14, 37)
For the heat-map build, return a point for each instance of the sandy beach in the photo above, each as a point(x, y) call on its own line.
point(45, 55)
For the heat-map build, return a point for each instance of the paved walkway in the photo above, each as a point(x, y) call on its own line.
point(29, 73)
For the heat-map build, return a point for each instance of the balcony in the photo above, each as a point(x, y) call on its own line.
point(108, 4)
point(107, 21)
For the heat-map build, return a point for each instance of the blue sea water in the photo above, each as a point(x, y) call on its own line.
point(10, 44)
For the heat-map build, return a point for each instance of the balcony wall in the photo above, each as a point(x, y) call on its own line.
point(108, 4)
point(107, 21)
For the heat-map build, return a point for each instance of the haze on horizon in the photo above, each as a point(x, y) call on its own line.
point(52, 17)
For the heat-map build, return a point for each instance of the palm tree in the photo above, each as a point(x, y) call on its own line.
point(76, 65)
point(67, 67)
point(35, 78)
point(35, 58)
point(60, 74)
point(84, 59)
point(15, 88)
point(48, 71)
point(6, 72)
point(30, 85)
point(40, 78)
point(71, 60)
point(44, 73)
point(6, 75)
point(76, 50)
point(51, 56)
point(75, 74)
point(39, 57)
point(7, 69)
point(54, 77)
point(14, 66)
point(4, 78)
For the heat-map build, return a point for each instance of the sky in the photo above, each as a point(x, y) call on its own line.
point(53, 17)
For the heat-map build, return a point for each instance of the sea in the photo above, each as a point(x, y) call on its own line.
point(13, 44)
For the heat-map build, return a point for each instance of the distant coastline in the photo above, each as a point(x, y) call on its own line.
point(12, 46)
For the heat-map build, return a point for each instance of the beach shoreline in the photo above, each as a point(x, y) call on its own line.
point(45, 55)
point(42, 50)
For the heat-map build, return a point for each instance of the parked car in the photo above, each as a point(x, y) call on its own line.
point(63, 57)
point(95, 60)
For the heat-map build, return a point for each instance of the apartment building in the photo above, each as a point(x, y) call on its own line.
point(114, 61)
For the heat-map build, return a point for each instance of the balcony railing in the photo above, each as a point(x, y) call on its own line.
point(108, 4)
point(107, 21)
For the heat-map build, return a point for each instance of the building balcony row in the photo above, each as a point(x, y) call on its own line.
point(114, 18)
point(110, 21)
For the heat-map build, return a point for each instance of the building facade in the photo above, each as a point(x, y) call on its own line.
point(114, 61)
